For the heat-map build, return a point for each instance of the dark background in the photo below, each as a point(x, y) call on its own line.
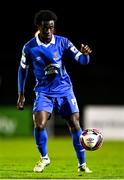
point(98, 24)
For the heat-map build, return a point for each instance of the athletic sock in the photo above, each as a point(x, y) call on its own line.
point(41, 140)
point(80, 151)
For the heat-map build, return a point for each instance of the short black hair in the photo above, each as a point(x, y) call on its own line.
point(44, 15)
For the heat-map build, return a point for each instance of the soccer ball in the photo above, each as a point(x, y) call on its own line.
point(91, 139)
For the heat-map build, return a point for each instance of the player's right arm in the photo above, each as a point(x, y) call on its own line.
point(22, 77)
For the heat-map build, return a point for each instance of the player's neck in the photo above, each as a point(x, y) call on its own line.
point(44, 40)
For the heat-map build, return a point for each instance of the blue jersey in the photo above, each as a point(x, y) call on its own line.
point(49, 70)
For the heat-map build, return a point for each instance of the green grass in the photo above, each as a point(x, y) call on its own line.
point(18, 157)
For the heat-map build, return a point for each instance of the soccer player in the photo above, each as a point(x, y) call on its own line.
point(53, 88)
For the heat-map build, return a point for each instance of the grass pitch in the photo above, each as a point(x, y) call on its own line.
point(18, 157)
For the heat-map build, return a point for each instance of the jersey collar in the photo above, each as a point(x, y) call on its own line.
point(46, 45)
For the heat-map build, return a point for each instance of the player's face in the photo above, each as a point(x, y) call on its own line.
point(46, 30)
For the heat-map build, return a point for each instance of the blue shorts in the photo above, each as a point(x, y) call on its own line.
point(65, 106)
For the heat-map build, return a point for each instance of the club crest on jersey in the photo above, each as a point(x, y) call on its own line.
point(38, 58)
point(56, 55)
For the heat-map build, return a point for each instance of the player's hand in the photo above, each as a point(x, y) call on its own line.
point(85, 49)
point(20, 102)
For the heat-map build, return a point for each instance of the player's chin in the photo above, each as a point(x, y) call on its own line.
point(48, 37)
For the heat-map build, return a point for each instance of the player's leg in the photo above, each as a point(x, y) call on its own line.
point(41, 137)
point(41, 113)
point(76, 131)
point(70, 111)
point(40, 133)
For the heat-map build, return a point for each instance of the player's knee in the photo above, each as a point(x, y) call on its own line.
point(73, 122)
point(39, 121)
point(75, 126)
point(39, 124)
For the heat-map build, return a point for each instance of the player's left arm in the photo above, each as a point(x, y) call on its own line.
point(82, 56)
